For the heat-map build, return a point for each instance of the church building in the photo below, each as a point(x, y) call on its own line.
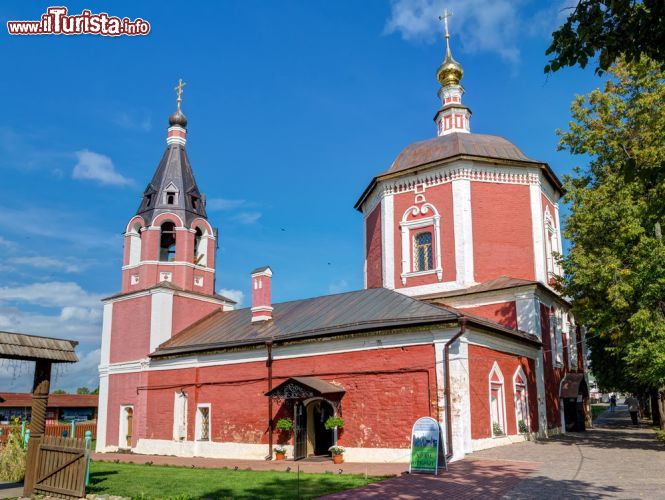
point(458, 319)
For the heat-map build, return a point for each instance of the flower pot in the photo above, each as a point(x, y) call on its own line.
point(338, 459)
point(280, 456)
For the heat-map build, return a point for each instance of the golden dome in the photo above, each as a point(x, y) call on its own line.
point(450, 72)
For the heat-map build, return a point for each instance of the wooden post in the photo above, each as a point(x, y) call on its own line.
point(40, 389)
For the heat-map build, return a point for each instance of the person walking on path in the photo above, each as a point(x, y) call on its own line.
point(613, 402)
point(633, 408)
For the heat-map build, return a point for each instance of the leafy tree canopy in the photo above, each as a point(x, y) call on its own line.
point(615, 270)
point(59, 391)
point(609, 29)
point(82, 390)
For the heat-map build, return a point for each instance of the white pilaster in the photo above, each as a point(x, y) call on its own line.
point(542, 396)
point(463, 230)
point(388, 240)
point(538, 232)
point(104, 361)
point(161, 317)
point(460, 396)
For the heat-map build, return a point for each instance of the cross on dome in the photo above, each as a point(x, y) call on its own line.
point(179, 89)
point(178, 119)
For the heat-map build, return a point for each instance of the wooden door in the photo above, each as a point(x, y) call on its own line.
point(130, 417)
point(300, 448)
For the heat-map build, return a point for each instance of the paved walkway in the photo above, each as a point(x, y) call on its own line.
point(10, 490)
point(612, 460)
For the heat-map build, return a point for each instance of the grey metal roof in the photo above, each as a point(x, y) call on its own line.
point(457, 143)
point(362, 310)
point(344, 313)
point(32, 347)
point(174, 168)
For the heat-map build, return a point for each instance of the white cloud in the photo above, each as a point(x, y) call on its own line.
point(5, 243)
point(247, 217)
point(218, 204)
point(338, 286)
point(40, 262)
point(235, 295)
point(133, 122)
point(480, 25)
point(51, 294)
point(98, 167)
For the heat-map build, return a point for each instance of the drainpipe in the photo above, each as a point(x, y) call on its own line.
point(449, 417)
point(269, 365)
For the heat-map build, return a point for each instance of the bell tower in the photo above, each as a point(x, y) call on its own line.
point(170, 239)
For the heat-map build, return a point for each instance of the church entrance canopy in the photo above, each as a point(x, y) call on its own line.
point(299, 388)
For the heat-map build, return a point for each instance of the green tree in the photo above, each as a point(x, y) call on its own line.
point(609, 28)
point(615, 269)
point(59, 391)
point(82, 390)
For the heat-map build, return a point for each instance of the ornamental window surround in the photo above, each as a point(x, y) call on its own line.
point(203, 416)
point(421, 242)
point(521, 399)
point(497, 402)
point(167, 242)
point(180, 416)
point(551, 244)
point(135, 244)
point(556, 338)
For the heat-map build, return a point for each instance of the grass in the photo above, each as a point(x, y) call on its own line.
point(660, 434)
point(597, 409)
point(163, 482)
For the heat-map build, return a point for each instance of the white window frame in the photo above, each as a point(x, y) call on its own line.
point(556, 338)
point(526, 417)
point(199, 422)
point(410, 226)
point(171, 188)
point(134, 245)
point(502, 400)
point(180, 417)
point(122, 428)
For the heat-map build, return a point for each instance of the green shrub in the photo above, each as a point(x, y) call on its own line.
point(12, 458)
point(496, 429)
point(522, 427)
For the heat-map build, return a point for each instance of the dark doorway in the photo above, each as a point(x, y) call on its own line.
point(311, 436)
point(573, 414)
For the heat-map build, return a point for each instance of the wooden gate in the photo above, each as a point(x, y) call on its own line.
point(300, 448)
point(61, 467)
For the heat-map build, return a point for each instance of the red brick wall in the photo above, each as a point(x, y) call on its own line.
point(373, 251)
point(187, 310)
point(378, 408)
point(441, 197)
point(122, 391)
point(130, 329)
point(504, 313)
point(481, 360)
point(502, 231)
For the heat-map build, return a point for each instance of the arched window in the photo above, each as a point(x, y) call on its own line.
point(200, 247)
point(497, 402)
point(521, 401)
point(167, 242)
point(422, 252)
point(135, 244)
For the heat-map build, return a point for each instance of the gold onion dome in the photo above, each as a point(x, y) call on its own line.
point(450, 72)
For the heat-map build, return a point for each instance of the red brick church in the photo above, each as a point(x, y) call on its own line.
point(458, 319)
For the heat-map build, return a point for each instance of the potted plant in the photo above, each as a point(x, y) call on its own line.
point(337, 454)
point(280, 452)
point(334, 423)
point(496, 429)
point(284, 424)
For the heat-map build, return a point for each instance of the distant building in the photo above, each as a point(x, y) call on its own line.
point(61, 407)
point(459, 318)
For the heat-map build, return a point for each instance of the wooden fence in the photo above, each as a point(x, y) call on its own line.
point(57, 430)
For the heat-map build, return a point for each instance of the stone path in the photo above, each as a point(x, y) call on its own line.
point(10, 490)
point(613, 460)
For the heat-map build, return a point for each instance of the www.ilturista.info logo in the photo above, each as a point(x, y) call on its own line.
point(56, 21)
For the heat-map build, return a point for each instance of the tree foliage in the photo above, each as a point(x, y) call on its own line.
point(615, 269)
point(82, 390)
point(610, 29)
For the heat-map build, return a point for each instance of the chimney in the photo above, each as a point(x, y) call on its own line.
point(261, 306)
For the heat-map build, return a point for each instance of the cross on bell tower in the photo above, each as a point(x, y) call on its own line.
point(453, 116)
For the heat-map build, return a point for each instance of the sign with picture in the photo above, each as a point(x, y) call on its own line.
point(426, 447)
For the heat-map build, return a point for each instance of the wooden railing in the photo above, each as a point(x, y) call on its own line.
point(57, 430)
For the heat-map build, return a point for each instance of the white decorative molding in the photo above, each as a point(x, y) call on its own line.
point(173, 263)
point(463, 230)
point(388, 241)
point(407, 226)
point(161, 318)
point(165, 276)
point(134, 279)
point(538, 233)
point(198, 280)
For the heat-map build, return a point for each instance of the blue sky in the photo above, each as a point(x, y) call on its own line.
point(293, 107)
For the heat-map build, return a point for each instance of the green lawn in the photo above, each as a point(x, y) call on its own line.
point(597, 409)
point(145, 481)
